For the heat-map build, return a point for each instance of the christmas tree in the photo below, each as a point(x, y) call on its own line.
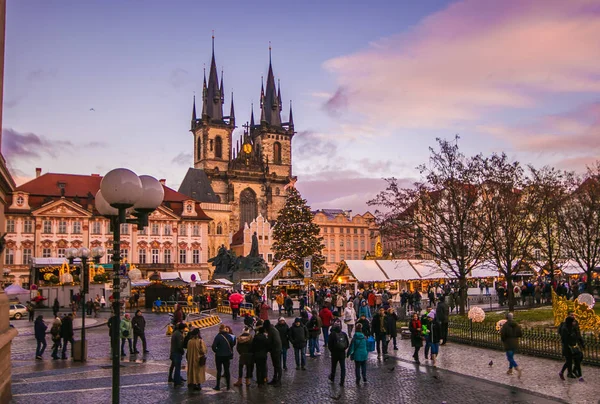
point(295, 235)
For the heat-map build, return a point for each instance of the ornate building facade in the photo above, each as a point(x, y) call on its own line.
point(346, 237)
point(238, 179)
point(53, 212)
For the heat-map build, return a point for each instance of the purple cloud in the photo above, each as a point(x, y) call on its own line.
point(17, 145)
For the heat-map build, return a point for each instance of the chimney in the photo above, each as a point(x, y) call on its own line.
point(163, 181)
point(38, 172)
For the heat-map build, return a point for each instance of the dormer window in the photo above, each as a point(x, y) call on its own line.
point(20, 200)
point(189, 208)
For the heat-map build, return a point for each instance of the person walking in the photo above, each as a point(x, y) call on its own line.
point(55, 334)
point(139, 331)
point(244, 349)
point(338, 344)
point(31, 310)
point(510, 334)
point(434, 335)
point(222, 346)
point(443, 314)
point(284, 332)
point(349, 318)
point(177, 352)
point(416, 336)
point(391, 319)
point(573, 344)
point(364, 311)
point(379, 329)
point(196, 360)
point(358, 353)
point(260, 349)
point(126, 334)
point(264, 311)
point(275, 350)
point(55, 307)
point(314, 330)
point(326, 317)
point(66, 333)
point(40, 328)
point(298, 336)
point(566, 351)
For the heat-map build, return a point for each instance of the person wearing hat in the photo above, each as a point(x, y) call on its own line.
point(244, 348)
point(298, 335)
point(510, 334)
point(222, 346)
point(260, 349)
point(359, 354)
point(434, 335)
point(284, 331)
point(177, 352)
point(379, 329)
point(338, 344)
point(196, 360)
point(275, 350)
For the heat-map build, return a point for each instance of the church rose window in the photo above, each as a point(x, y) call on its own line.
point(248, 207)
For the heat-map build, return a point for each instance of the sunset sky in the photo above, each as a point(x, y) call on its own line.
point(373, 83)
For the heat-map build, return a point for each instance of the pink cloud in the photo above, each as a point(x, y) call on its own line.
point(473, 58)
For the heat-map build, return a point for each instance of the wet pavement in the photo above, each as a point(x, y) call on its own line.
point(144, 379)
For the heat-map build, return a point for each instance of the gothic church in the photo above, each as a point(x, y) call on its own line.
point(239, 179)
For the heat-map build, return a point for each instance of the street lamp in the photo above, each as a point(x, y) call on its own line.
point(121, 190)
point(83, 254)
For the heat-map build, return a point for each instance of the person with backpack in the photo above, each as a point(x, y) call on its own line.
point(338, 344)
point(510, 334)
point(358, 353)
point(244, 348)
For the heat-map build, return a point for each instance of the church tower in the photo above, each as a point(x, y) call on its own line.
point(213, 131)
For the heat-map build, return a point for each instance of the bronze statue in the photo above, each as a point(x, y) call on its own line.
point(254, 248)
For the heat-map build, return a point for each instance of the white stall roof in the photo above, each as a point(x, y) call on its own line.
point(186, 276)
point(366, 271)
point(429, 269)
point(484, 270)
point(224, 281)
point(571, 268)
point(273, 272)
point(398, 270)
point(169, 276)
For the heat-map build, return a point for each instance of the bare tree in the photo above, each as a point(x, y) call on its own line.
point(512, 217)
point(441, 214)
point(580, 222)
point(551, 189)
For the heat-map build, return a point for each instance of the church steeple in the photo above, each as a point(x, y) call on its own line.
point(251, 116)
point(270, 105)
point(213, 98)
point(231, 112)
point(291, 122)
point(194, 113)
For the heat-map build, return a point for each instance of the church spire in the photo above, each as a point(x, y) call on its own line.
point(231, 112)
point(214, 99)
point(279, 95)
point(221, 90)
point(291, 122)
point(204, 90)
point(251, 116)
point(194, 113)
point(270, 106)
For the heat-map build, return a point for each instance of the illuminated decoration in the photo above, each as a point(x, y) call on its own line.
point(66, 278)
point(134, 273)
point(378, 248)
point(587, 319)
point(586, 298)
point(476, 314)
point(499, 324)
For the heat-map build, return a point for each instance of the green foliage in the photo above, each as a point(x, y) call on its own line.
point(100, 278)
point(295, 234)
point(54, 279)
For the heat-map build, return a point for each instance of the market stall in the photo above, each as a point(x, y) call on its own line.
point(284, 277)
point(360, 273)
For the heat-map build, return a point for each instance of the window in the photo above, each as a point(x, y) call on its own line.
point(183, 230)
point(155, 256)
point(277, 191)
point(182, 256)
point(9, 257)
point(143, 232)
point(125, 254)
point(167, 256)
point(198, 148)
point(325, 229)
point(196, 230)
point(20, 200)
point(355, 243)
point(77, 227)
point(342, 256)
point(10, 226)
point(167, 231)
point(355, 231)
point(47, 226)
point(355, 255)
point(142, 256)
point(26, 256)
point(248, 207)
point(362, 231)
point(341, 242)
point(220, 229)
point(60, 253)
point(332, 243)
point(28, 226)
point(62, 226)
point(124, 228)
point(362, 244)
point(46, 253)
point(276, 153)
point(195, 256)
point(218, 147)
point(155, 229)
point(96, 227)
point(270, 257)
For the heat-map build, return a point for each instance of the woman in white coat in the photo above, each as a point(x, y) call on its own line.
point(349, 318)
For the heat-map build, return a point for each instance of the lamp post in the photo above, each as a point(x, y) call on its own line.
point(122, 192)
point(83, 253)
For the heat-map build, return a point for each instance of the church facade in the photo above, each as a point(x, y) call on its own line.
point(239, 178)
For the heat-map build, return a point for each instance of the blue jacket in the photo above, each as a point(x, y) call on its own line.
point(223, 344)
point(358, 347)
point(364, 310)
point(40, 329)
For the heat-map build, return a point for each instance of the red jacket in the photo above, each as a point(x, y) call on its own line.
point(326, 316)
point(371, 299)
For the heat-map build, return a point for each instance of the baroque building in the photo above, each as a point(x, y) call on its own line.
point(238, 179)
point(53, 212)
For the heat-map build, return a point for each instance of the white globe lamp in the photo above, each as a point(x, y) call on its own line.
point(121, 188)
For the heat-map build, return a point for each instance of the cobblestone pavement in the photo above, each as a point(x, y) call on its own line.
point(144, 379)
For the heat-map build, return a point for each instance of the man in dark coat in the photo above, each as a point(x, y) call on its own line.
point(40, 336)
point(223, 348)
point(379, 329)
point(443, 313)
point(275, 345)
point(55, 307)
point(66, 333)
point(177, 352)
point(510, 334)
point(298, 335)
point(391, 318)
point(139, 331)
point(284, 331)
point(260, 349)
point(338, 344)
